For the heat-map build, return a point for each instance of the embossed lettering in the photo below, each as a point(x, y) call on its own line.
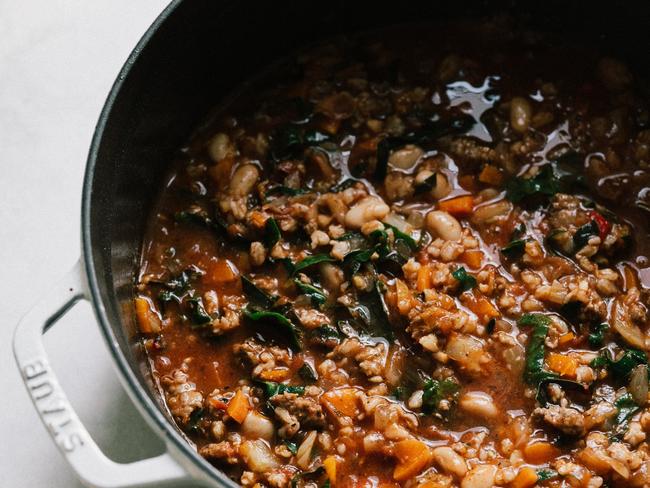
point(41, 390)
point(71, 442)
point(34, 369)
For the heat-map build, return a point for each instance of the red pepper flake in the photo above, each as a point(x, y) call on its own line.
point(603, 224)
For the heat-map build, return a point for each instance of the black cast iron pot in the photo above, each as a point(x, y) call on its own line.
point(193, 55)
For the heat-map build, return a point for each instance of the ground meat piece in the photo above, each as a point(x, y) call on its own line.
point(598, 414)
point(296, 411)
point(182, 397)
point(568, 214)
point(371, 359)
point(226, 451)
point(263, 358)
point(568, 420)
point(438, 313)
point(636, 309)
point(580, 288)
point(229, 314)
point(471, 150)
point(311, 318)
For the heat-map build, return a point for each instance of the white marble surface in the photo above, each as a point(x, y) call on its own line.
point(58, 59)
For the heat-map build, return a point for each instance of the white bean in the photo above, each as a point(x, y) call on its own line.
point(479, 403)
point(450, 461)
point(405, 157)
point(520, 114)
point(258, 456)
point(481, 476)
point(442, 224)
point(257, 426)
point(220, 147)
point(487, 214)
point(244, 180)
point(441, 188)
point(369, 208)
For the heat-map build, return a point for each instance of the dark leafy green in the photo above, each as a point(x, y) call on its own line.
point(271, 232)
point(195, 419)
point(541, 394)
point(317, 295)
point(427, 185)
point(311, 261)
point(543, 185)
point(626, 407)
point(292, 447)
point(534, 371)
point(436, 391)
point(314, 474)
point(288, 329)
point(179, 285)
point(432, 130)
point(284, 190)
point(198, 314)
point(372, 312)
point(291, 140)
point(514, 248)
point(256, 296)
point(545, 474)
point(353, 260)
point(402, 236)
point(307, 373)
point(584, 233)
point(467, 281)
point(597, 334)
point(326, 332)
point(271, 388)
point(623, 366)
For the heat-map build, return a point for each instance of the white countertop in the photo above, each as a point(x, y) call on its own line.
point(58, 60)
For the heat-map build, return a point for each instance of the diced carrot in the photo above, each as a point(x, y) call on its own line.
point(468, 182)
point(147, 316)
point(217, 403)
point(329, 463)
point(491, 175)
point(331, 126)
point(429, 484)
point(424, 278)
point(562, 364)
point(220, 271)
point(540, 452)
point(482, 307)
point(239, 406)
point(473, 258)
point(526, 478)
point(413, 456)
point(566, 338)
point(341, 401)
point(404, 297)
point(257, 219)
point(277, 374)
point(459, 206)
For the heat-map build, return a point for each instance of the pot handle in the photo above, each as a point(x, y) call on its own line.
point(54, 409)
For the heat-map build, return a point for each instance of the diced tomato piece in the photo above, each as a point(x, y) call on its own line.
point(603, 224)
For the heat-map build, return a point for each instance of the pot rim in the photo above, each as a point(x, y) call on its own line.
point(162, 426)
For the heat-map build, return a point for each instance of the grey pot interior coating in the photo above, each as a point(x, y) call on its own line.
point(197, 52)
